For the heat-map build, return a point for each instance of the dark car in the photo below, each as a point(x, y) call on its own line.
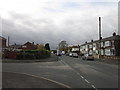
point(59, 54)
point(67, 54)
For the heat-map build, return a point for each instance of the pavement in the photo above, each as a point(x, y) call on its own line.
point(17, 80)
point(115, 62)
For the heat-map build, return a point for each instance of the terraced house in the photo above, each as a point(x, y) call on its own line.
point(106, 48)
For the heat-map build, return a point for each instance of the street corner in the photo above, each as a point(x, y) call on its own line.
point(19, 80)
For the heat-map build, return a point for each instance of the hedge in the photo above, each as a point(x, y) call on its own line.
point(33, 54)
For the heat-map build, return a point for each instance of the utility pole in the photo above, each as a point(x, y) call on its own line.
point(100, 37)
point(8, 40)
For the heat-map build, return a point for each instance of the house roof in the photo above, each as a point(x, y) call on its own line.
point(28, 43)
point(116, 37)
point(2, 38)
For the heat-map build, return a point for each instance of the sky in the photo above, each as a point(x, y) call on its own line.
point(50, 21)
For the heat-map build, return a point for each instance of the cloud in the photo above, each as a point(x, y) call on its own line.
point(73, 21)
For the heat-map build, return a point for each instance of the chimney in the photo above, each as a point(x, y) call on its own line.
point(33, 43)
point(8, 40)
point(99, 28)
point(114, 34)
point(86, 42)
point(91, 40)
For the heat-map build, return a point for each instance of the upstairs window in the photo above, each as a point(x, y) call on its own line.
point(107, 43)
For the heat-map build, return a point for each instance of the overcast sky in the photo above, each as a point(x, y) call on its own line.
point(50, 21)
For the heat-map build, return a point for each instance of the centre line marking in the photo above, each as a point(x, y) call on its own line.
point(94, 87)
point(82, 77)
point(87, 81)
point(79, 75)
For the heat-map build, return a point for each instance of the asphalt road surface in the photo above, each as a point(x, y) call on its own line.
point(71, 72)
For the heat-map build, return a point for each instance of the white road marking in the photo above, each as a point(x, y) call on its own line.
point(87, 81)
point(42, 78)
point(79, 74)
point(94, 87)
point(82, 77)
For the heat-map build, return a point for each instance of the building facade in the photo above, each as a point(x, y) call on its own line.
point(76, 49)
point(2, 42)
point(2, 45)
point(106, 48)
point(28, 46)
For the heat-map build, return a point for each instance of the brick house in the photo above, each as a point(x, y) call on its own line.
point(28, 46)
point(107, 48)
point(2, 42)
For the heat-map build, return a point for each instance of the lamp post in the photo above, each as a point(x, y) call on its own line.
point(100, 37)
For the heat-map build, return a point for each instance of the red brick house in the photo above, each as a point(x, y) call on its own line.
point(2, 42)
point(28, 46)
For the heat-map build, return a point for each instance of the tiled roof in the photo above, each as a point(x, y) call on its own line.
point(117, 37)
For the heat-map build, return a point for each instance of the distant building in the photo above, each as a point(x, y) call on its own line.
point(15, 47)
point(110, 47)
point(28, 46)
point(2, 42)
point(75, 48)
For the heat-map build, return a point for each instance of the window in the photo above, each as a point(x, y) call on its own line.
point(102, 44)
point(90, 52)
point(107, 43)
point(96, 51)
point(86, 47)
point(102, 52)
point(94, 46)
point(90, 46)
point(107, 52)
point(24, 46)
point(112, 51)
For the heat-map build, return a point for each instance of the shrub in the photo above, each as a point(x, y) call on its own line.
point(33, 54)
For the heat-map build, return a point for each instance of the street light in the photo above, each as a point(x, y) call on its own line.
point(100, 37)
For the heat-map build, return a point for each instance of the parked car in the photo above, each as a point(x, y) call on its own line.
point(87, 57)
point(83, 57)
point(67, 54)
point(74, 55)
point(90, 57)
point(59, 54)
point(70, 54)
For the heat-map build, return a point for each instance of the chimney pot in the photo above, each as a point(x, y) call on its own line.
point(114, 34)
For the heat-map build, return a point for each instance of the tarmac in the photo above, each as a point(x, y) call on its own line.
point(17, 80)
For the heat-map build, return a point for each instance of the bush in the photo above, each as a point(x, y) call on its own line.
point(33, 54)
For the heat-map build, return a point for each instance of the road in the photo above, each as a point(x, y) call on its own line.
point(72, 72)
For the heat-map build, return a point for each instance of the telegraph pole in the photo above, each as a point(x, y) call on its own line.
point(100, 37)
point(8, 40)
